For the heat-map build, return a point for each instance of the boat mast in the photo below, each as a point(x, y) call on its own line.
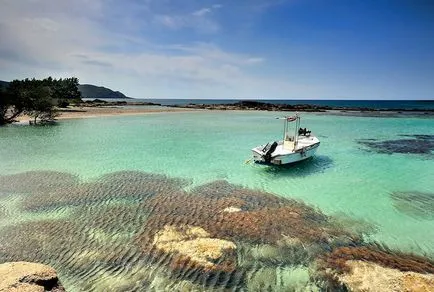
point(297, 126)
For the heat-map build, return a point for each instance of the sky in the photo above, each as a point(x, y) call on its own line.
point(275, 49)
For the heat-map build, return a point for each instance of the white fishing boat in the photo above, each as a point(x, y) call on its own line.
point(298, 144)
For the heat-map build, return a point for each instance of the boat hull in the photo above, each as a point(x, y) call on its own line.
point(289, 158)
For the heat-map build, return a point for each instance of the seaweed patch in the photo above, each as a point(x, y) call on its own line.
point(347, 267)
point(413, 144)
point(419, 205)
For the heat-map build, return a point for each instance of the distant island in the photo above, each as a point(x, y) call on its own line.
point(4, 83)
point(93, 91)
point(90, 91)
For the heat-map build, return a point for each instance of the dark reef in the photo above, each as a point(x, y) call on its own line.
point(412, 144)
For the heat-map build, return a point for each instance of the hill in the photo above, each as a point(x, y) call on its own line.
point(90, 91)
point(3, 83)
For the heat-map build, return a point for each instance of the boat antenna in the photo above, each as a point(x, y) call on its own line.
point(297, 126)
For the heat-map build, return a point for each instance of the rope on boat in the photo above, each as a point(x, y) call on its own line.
point(248, 160)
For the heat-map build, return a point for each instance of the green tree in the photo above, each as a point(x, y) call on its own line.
point(41, 104)
point(5, 104)
point(12, 102)
point(37, 98)
point(65, 90)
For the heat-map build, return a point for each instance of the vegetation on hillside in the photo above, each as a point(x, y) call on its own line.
point(36, 98)
point(92, 91)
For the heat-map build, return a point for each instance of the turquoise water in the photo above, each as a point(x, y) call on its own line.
point(346, 179)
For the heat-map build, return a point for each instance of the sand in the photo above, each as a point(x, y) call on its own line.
point(105, 111)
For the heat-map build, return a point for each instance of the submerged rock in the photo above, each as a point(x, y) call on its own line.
point(28, 277)
point(368, 268)
point(49, 190)
point(36, 181)
point(413, 144)
point(136, 231)
point(198, 239)
point(231, 209)
point(280, 279)
point(367, 276)
point(263, 218)
point(196, 244)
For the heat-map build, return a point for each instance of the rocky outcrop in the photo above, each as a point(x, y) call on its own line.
point(216, 233)
point(367, 276)
point(299, 107)
point(195, 243)
point(369, 268)
point(256, 105)
point(28, 277)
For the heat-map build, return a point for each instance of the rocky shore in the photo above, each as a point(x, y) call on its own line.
point(100, 103)
point(263, 106)
point(28, 277)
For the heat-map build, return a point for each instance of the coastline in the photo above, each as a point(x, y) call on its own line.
point(354, 111)
point(81, 112)
point(99, 108)
point(301, 107)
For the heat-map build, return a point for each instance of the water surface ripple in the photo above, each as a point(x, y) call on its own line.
point(166, 202)
point(132, 230)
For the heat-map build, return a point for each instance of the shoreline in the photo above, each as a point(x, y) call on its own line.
point(108, 109)
point(264, 106)
point(84, 112)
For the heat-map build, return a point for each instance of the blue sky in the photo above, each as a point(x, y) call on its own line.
point(283, 49)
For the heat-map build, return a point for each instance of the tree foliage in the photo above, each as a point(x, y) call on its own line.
point(37, 98)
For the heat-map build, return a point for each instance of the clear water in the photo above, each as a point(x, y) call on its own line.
point(345, 179)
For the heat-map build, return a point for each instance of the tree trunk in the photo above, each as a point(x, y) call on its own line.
point(7, 120)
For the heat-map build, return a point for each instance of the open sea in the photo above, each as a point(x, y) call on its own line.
point(372, 104)
point(112, 203)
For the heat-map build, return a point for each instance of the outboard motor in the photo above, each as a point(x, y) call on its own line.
point(304, 132)
point(269, 151)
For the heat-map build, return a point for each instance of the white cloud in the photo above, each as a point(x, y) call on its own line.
point(172, 22)
point(49, 40)
point(212, 52)
point(254, 60)
point(201, 12)
point(199, 20)
point(263, 5)
point(177, 22)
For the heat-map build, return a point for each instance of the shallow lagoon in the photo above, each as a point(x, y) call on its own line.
point(365, 188)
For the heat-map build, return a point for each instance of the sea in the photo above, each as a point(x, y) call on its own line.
point(371, 104)
point(102, 199)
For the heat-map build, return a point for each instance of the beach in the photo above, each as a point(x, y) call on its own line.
point(77, 112)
